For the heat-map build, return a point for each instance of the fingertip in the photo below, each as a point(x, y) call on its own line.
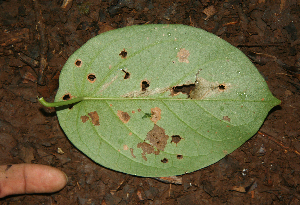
point(44, 179)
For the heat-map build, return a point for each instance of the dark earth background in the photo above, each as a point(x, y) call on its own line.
point(36, 39)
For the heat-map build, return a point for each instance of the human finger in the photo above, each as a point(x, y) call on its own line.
point(30, 178)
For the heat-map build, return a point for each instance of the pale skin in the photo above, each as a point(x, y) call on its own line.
point(30, 179)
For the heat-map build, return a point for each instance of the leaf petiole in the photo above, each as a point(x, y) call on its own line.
point(60, 103)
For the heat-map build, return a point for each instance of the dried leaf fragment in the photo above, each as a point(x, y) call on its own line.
point(209, 12)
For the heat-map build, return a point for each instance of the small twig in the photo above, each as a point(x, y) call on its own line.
point(43, 43)
point(278, 143)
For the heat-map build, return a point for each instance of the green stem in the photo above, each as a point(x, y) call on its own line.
point(61, 103)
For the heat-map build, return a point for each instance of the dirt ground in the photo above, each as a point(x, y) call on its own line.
point(37, 37)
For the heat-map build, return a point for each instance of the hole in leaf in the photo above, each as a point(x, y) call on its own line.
point(123, 53)
point(145, 84)
point(127, 74)
point(221, 87)
point(66, 97)
point(184, 89)
point(176, 139)
point(179, 156)
point(164, 160)
point(78, 63)
point(91, 78)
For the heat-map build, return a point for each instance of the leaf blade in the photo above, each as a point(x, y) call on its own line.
point(114, 126)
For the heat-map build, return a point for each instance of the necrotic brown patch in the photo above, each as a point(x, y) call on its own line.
point(155, 114)
point(131, 151)
point(157, 142)
point(226, 118)
point(123, 116)
point(84, 118)
point(147, 149)
point(157, 137)
point(94, 117)
point(183, 55)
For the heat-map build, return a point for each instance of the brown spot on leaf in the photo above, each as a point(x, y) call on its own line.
point(183, 55)
point(139, 110)
point(157, 137)
point(123, 116)
point(125, 147)
point(123, 53)
point(176, 139)
point(131, 151)
point(157, 142)
point(84, 118)
point(179, 156)
point(226, 118)
point(155, 114)
point(147, 149)
point(94, 117)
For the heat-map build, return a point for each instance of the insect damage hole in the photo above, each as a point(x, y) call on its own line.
point(66, 97)
point(78, 63)
point(91, 78)
point(127, 74)
point(123, 53)
point(176, 139)
point(145, 84)
point(184, 89)
point(221, 87)
point(164, 160)
point(179, 156)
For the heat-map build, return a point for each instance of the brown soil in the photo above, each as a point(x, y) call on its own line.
point(36, 39)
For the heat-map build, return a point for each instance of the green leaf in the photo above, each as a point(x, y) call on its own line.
point(160, 100)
